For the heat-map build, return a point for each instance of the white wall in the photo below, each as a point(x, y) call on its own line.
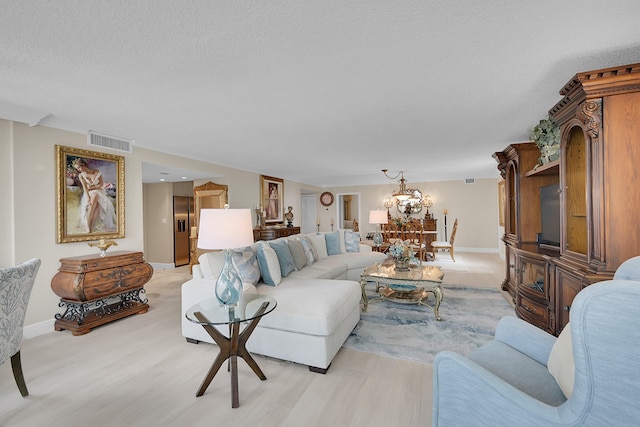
point(474, 205)
point(28, 172)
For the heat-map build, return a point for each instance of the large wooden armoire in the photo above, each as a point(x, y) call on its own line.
point(599, 177)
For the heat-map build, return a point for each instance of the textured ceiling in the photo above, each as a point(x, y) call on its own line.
point(321, 92)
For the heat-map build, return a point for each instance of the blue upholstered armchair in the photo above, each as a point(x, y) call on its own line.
point(588, 376)
point(15, 289)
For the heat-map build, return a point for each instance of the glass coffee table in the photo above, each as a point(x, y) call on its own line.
point(210, 313)
point(413, 286)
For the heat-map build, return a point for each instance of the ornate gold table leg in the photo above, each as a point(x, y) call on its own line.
point(439, 294)
point(365, 300)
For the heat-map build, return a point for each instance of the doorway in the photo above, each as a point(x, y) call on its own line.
point(348, 209)
point(308, 222)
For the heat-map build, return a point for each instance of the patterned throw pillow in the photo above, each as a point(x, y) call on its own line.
point(352, 241)
point(333, 243)
point(284, 256)
point(247, 265)
point(307, 246)
point(297, 252)
point(269, 265)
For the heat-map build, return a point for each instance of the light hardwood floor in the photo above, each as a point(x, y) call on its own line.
point(140, 371)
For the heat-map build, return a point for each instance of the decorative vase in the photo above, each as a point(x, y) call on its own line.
point(402, 265)
point(377, 238)
point(229, 284)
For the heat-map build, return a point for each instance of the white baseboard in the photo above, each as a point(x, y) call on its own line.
point(479, 250)
point(162, 266)
point(31, 331)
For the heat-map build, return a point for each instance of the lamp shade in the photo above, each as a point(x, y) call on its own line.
point(377, 217)
point(225, 228)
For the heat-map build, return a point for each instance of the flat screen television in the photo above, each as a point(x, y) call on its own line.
point(550, 216)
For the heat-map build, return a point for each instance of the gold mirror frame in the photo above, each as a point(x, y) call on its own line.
point(209, 195)
point(412, 205)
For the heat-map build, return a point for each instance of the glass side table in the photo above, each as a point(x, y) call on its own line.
point(209, 313)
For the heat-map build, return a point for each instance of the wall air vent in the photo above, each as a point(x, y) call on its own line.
point(469, 181)
point(111, 142)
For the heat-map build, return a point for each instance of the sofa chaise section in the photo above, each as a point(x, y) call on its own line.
point(318, 305)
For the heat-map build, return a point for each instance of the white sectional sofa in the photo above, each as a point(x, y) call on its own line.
point(318, 301)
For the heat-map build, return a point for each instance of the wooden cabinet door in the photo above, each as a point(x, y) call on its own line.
point(574, 193)
point(509, 283)
point(533, 278)
point(568, 286)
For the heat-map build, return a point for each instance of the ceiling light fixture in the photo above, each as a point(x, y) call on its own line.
point(403, 193)
point(409, 200)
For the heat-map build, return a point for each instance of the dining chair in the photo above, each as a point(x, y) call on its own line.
point(391, 232)
point(412, 235)
point(446, 245)
point(15, 289)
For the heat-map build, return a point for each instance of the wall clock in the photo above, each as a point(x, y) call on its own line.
point(326, 199)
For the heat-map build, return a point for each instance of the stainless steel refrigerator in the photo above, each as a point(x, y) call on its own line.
point(183, 219)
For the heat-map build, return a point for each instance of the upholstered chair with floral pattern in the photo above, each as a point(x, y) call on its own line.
point(15, 289)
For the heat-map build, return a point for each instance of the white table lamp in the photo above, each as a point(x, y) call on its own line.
point(377, 217)
point(226, 229)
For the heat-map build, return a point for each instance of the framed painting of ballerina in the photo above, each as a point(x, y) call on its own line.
point(90, 194)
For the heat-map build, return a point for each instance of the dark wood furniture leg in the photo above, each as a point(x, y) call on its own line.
point(16, 366)
point(231, 348)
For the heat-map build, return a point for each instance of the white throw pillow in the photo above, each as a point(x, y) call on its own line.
point(211, 264)
point(307, 246)
point(341, 240)
point(269, 265)
point(320, 245)
point(561, 364)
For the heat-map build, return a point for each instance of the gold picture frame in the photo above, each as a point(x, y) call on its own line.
point(90, 195)
point(272, 193)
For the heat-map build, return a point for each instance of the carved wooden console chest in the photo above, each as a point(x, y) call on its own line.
point(95, 290)
point(272, 233)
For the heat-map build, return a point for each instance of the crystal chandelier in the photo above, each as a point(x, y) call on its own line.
point(408, 200)
point(403, 193)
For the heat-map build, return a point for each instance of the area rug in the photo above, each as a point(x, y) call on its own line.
point(409, 331)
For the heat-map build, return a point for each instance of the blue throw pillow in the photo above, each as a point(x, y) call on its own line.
point(333, 243)
point(352, 241)
point(247, 265)
point(287, 265)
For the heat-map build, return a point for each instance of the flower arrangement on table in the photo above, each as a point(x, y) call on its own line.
point(402, 254)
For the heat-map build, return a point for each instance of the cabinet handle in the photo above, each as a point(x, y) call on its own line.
point(527, 308)
point(566, 308)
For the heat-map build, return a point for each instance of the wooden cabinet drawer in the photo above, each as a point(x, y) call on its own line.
point(98, 284)
point(533, 311)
